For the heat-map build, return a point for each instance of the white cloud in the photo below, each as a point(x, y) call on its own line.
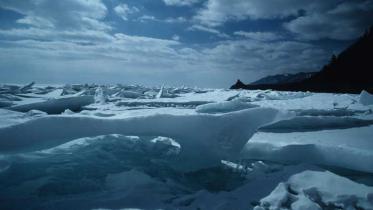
point(208, 30)
point(137, 57)
point(69, 21)
point(67, 14)
point(144, 18)
point(334, 19)
point(53, 35)
point(36, 22)
point(176, 37)
point(260, 36)
point(123, 11)
point(71, 39)
point(176, 20)
point(180, 2)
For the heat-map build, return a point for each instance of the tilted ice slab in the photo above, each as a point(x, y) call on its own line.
point(315, 123)
point(7, 100)
point(347, 148)
point(225, 106)
point(313, 190)
point(49, 95)
point(366, 98)
point(55, 105)
point(339, 112)
point(260, 95)
point(9, 118)
point(128, 94)
point(204, 139)
point(191, 99)
point(155, 103)
point(104, 162)
point(5, 103)
point(319, 101)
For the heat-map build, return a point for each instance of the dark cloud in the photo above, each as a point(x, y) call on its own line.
point(345, 21)
point(217, 12)
point(334, 19)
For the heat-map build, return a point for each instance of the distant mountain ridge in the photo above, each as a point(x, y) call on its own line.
point(283, 78)
point(349, 72)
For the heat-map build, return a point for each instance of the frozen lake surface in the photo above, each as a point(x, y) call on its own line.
point(128, 146)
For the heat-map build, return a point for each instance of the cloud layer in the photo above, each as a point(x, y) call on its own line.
point(207, 43)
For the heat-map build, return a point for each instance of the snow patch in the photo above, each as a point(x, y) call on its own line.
point(318, 190)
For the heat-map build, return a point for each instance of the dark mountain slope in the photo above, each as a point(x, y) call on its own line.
point(350, 72)
point(283, 78)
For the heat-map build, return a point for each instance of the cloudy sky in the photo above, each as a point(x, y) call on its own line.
point(208, 43)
